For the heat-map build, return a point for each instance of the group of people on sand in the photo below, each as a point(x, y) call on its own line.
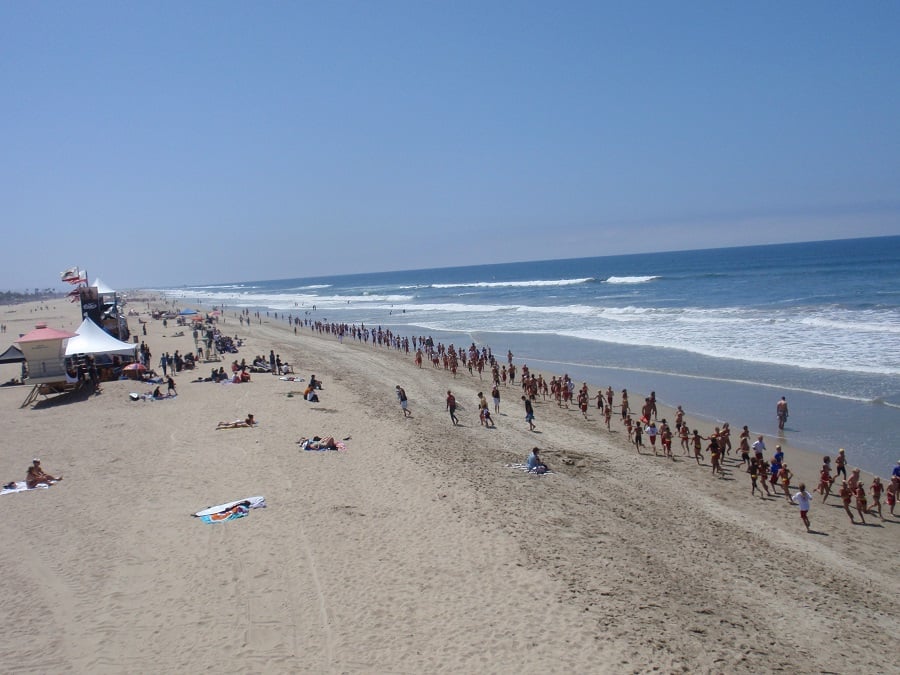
point(768, 476)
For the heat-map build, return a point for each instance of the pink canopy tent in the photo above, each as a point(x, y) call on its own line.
point(41, 333)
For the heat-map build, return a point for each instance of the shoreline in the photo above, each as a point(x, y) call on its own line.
point(820, 423)
point(416, 549)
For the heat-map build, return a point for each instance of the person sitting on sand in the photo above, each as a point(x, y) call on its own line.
point(535, 463)
point(247, 422)
point(36, 475)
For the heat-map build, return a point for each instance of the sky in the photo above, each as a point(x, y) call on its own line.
point(167, 143)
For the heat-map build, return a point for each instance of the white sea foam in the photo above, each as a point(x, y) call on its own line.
point(515, 284)
point(630, 280)
point(289, 301)
point(761, 336)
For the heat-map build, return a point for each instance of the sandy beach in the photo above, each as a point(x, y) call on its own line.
point(416, 549)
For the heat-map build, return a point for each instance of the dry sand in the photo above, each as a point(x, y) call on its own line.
point(416, 549)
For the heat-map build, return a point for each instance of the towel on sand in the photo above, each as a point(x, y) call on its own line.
point(255, 503)
point(524, 467)
point(236, 511)
point(21, 487)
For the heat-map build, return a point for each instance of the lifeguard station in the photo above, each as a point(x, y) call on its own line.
point(44, 350)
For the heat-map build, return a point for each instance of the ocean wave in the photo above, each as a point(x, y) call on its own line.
point(297, 301)
point(738, 334)
point(630, 280)
point(516, 284)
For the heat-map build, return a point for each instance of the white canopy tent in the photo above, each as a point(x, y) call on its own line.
point(102, 288)
point(92, 339)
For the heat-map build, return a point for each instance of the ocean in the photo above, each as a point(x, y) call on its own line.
point(723, 332)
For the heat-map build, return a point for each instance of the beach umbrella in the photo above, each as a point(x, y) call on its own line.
point(188, 312)
point(134, 370)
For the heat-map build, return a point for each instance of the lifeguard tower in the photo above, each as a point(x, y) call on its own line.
point(44, 350)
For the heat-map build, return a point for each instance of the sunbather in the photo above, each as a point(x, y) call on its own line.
point(247, 422)
point(327, 443)
point(36, 475)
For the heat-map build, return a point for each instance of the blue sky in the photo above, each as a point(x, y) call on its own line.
point(166, 143)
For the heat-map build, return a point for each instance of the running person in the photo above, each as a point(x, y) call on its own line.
point(803, 499)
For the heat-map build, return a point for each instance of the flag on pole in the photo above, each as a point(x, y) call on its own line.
point(73, 275)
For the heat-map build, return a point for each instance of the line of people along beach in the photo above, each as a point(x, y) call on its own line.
point(769, 476)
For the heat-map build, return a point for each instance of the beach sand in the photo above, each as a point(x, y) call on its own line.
point(414, 550)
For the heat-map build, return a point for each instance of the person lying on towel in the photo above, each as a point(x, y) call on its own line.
point(37, 475)
point(247, 422)
point(327, 443)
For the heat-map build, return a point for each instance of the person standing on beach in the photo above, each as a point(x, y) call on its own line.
point(781, 411)
point(803, 499)
point(495, 395)
point(529, 413)
point(404, 403)
point(451, 406)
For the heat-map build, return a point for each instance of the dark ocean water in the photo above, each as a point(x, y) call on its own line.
point(723, 332)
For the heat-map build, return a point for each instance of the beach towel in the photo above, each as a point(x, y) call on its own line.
point(21, 487)
point(237, 511)
point(255, 503)
point(524, 467)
